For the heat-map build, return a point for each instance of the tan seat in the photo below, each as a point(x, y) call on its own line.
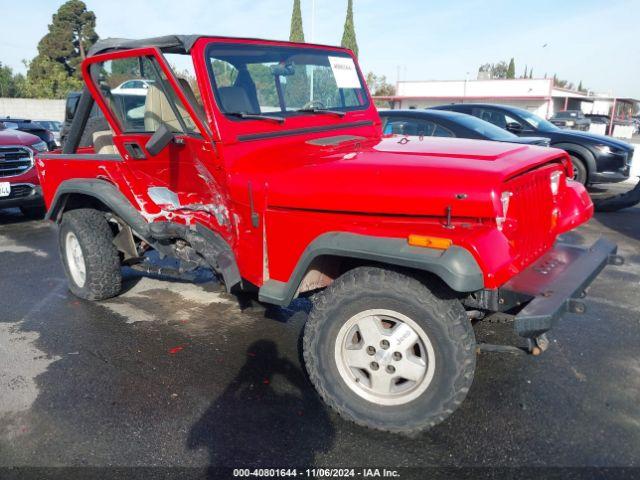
point(158, 111)
point(103, 143)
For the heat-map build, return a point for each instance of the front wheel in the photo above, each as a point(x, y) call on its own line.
point(387, 353)
point(90, 259)
point(579, 170)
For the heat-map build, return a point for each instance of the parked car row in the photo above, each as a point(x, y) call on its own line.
point(595, 158)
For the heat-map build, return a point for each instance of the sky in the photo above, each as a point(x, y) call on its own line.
point(593, 41)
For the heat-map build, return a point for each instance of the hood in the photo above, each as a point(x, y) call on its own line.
point(593, 137)
point(401, 176)
point(16, 137)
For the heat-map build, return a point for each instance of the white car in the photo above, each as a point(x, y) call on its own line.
point(133, 87)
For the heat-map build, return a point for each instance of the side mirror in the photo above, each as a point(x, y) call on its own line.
point(514, 127)
point(159, 140)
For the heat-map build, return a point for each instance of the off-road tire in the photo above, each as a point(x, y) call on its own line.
point(580, 172)
point(33, 213)
point(441, 316)
point(101, 258)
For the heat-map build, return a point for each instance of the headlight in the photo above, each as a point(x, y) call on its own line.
point(606, 149)
point(555, 181)
point(505, 198)
point(40, 147)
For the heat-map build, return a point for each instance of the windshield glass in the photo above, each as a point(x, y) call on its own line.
point(537, 122)
point(281, 81)
point(485, 129)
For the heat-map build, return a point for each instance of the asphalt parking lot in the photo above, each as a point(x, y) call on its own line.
point(182, 374)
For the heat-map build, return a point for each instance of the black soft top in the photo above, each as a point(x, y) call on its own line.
point(167, 44)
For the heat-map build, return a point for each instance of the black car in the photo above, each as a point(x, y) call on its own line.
point(34, 128)
point(595, 158)
point(573, 119)
point(436, 123)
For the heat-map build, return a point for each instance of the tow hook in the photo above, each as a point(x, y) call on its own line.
point(538, 344)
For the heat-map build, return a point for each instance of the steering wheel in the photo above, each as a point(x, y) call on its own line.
point(313, 104)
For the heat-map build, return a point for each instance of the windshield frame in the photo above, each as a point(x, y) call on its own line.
point(327, 51)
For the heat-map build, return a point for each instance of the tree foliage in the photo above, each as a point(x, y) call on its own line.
point(56, 69)
point(494, 70)
point(379, 87)
point(349, 35)
point(11, 85)
point(296, 33)
point(511, 69)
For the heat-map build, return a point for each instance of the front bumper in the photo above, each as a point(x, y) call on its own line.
point(612, 167)
point(23, 195)
point(555, 282)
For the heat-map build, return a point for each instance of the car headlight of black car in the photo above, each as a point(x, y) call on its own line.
point(608, 150)
point(39, 147)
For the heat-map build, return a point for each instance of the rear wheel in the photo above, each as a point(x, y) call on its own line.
point(387, 353)
point(90, 259)
point(579, 170)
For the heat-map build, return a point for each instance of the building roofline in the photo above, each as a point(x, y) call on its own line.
point(461, 97)
point(474, 80)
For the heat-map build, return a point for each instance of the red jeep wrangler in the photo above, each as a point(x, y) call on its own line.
point(268, 166)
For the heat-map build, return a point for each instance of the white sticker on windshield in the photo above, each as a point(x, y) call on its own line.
point(344, 70)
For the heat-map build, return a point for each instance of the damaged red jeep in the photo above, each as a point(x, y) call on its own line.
point(267, 164)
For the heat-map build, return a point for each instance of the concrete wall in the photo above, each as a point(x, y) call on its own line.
point(32, 108)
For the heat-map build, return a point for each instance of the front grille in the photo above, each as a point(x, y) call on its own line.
point(531, 206)
point(19, 191)
point(15, 161)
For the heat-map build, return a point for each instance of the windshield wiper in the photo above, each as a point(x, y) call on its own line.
point(256, 116)
point(321, 110)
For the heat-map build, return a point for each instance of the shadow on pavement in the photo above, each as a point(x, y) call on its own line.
point(10, 216)
point(267, 416)
point(625, 222)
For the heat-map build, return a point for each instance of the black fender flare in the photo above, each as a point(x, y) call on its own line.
point(103, 191)
point(455, 266)
point(215, 250)
point(582, 152)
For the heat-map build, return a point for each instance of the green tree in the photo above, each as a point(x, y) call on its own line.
point(531, 73)
point(493, 70)
point(60, 51)
point(379, 87)
point(525, 72)
point(49, 79)
point(511, 69)
point(349, 36)
point(10, 84)
point(296, 33)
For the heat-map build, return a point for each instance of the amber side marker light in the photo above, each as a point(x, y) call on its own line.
point(429, 242)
